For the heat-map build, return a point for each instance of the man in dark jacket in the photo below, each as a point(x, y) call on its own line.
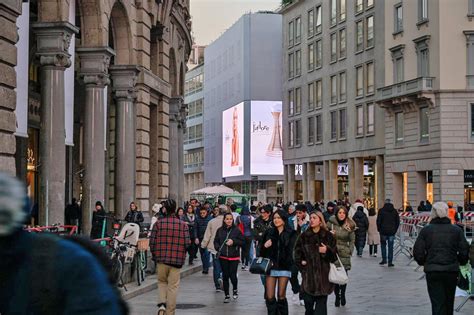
point(72, 214)
point(441, 247)
point(62, 278)
point(388, 221)
point(202, 220)
point(134, 215)
point(168, 242)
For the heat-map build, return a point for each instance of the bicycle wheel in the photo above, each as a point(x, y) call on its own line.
point(117, 270)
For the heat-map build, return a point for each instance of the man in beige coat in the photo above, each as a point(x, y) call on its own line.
point(208, 242)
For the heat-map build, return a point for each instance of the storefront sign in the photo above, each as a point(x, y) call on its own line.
point(452, 172)
point(468, 176)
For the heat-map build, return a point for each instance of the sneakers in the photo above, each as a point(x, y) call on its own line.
point(205, 272)
point(218, 290)
point(391, 265)
point(294, 298)
point(302, 302)
point(375, 255)
point(383, 262)
point(161, 310)
point(221, 283)
point(235, 295)
point(244, 267)
point(227, 299)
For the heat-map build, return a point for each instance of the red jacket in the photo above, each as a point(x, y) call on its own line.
point(169, 240)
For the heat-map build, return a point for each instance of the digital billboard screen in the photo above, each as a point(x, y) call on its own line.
point(233, 141)
point(266, 138)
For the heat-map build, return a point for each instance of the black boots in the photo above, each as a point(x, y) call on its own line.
point(283, 307)
point(337, 292)
point(343, 294)
point(272, 307)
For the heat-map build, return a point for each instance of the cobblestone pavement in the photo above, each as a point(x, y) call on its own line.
point(372, 290)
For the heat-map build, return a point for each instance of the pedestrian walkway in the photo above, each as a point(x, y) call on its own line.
point(372, 290)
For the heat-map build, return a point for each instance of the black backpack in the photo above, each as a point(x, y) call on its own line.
point(45, 295)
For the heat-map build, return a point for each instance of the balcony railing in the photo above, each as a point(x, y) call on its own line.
point(406, 88)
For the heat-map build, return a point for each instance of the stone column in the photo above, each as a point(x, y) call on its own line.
point(379, 181)
point(310, 175)
point(53, 39)
point(123, 87)
point(331, 180)
point(285, 183)
point(352, 183)
point(94, 73)
point(358, 179)
point(291, 182)
point(176, 129)
point(305, 182)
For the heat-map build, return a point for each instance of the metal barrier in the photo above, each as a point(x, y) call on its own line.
point(470, 296)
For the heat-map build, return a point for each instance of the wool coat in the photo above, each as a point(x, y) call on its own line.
point(373, 236)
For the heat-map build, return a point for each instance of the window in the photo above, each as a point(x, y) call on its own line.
point(298, 63)
point(291, 34)
point(370, 3)
point(424, 124)
point(370, 119)
point(342, 43)
point(398, 71)
point(290, 134)
point(423, 63)
point(319, 129)
point(342, 87)
point(311, 130)
point(359, 35)
point(333, 47)
point(333, 12)
point(298, 100)
point(370, 88)
point(342, 123)
point(360, 120)
point(318, 19)
point(311, 57)
point(333, 125)
point(342, 10)
point(399, 128)
point(291, 100)
point(319, 94)
point(359, 81)
point(398, 19)
point(297, 132)
point(311, 91)
point(370, 31)
point(319, 54)
point(422, 11)
point(298, 30)
point(359, 6)
point(291, 65)
point(471, 8)
point(470, 57)
point(310, 23)
point(333, 89)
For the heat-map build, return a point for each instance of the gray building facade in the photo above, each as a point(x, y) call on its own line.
point(242, 65)
point(334, 133)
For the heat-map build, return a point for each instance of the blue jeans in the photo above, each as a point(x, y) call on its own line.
point(216, 271)
point(205, 258)
point(384, 239)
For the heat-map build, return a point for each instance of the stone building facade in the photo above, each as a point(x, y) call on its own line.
point(129, 59)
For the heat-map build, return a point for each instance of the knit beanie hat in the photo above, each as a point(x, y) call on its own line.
point(439, 210)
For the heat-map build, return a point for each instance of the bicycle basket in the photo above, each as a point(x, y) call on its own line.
point(143, 244)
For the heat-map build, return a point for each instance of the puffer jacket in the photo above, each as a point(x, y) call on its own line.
point(362, 223)
point(281, 251)
point(315, 273)
point(345, 240)
point(225, 233)
point(200, 226)
point(441, 247)
point(388, 220)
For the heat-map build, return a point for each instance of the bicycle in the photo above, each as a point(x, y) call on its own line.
point(141, 261)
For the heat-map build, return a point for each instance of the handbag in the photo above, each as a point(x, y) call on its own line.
point(338, 275)
point(261, 266)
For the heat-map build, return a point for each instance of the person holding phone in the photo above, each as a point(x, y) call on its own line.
point(315, 249)
point(342, 227)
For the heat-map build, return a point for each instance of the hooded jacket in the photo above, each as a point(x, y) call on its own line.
point(441, 247)
point(388, 220)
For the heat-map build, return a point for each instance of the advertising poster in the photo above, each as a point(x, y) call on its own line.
point(266, 138)
point(233, 141)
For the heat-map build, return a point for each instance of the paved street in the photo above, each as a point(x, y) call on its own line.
point(372, 290)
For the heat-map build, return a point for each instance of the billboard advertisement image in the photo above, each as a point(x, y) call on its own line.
point(266, 138)
point(233, 141)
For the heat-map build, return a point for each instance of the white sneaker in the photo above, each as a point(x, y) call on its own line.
point(294, 298)
point(375, 255)
point(162, 310)
point(301, 302)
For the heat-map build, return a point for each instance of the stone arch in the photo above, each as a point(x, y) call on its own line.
point(164, 11)
point(93, 32)
point(120, 34)
point(53, 11)
point(173, 75)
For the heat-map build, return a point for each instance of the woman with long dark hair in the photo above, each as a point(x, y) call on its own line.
point(228, 241)
point(343, 229)
point(277, 245)
point(315, 249)
point(189, 218)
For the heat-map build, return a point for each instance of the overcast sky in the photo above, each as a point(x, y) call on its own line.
point(212, 17)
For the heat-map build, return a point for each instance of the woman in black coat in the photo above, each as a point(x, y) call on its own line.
point(277, 244)
point(98, 217)
point(228, 242)
point(362, 223)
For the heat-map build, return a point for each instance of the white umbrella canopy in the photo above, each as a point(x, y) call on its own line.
point(215, 190)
